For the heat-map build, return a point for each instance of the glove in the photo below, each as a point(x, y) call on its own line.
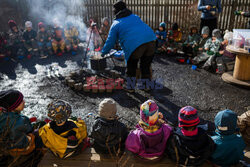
point(237, 12)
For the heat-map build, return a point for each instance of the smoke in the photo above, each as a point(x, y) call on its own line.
point(63, 11)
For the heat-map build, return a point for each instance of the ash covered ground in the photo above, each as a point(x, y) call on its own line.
point(182, 86)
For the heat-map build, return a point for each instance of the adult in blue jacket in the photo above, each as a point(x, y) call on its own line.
point(136, 38)
point(210, 10)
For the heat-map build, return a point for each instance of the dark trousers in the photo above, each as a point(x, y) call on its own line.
point(211, 23)
point(144, 53)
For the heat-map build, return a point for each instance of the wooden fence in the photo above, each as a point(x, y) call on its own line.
point(183, 12)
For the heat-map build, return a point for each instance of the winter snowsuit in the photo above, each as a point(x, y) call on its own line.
point(207, 18)
point(191, 40)
point(208, 56)
point(19, 129)
point(201, 44)
point(108, 134)
point(190, 150)
point(66, 140)
point(225, 58)
point(30, 42)
point(72, 39)
point(229, 149)
point(58, 40)
point(44, 42)
point(15, 42)
point(161, 37)
point(136, 39)
point(148, 145)
point(244, 125)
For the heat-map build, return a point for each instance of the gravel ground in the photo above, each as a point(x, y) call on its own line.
point(182, 86)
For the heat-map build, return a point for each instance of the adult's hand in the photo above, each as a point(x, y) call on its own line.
point(208, 7)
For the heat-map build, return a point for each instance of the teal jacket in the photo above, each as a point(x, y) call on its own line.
point(229, 149)
point(17, 126)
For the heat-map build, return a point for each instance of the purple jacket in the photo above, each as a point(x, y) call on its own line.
point(147, 144)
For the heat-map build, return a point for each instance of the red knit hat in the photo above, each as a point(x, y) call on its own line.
point(41, 25)
point(188, 117)
point(12, 24)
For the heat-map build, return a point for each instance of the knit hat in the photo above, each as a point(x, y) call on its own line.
point(205, 30)
point(216, 33)
point(188, 117)
point(119, 6)
point(175, 27)
point(10, 99)
point(149, 113)
point(28, 24)
point(105, 19)
point(59, 111)
point(12, 24)
point(163, 25)
point(226, 122)
point(41, 25)
point(107, 109)
point(228, 35)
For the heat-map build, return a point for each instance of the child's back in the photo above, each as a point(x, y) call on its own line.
point(108, 134)
point(229, 146)
point(189, 145)
point(150, 137)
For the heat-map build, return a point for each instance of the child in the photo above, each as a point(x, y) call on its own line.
point(15, 40)
point(193, 38)
point(244, 125)
point(225, 56)
point(211, 50)
point(71, 35)
point(44, 40)
point(229, 145)
point(107, 132)
point(58, 42)
point(199, 47)
point(189, 145)
point(173, 37)
point(16, 130)
point(29, 37)
point(177, 34)
point(161, 35)
point(149, 139)
point(63, 136)
point(104, 31)
point(94, 39)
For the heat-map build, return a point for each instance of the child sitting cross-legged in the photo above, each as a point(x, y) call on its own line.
point(161, 35)
point(64, 137)
point(229, 144)
point(108, 133)
point(189, 145)
point(149, 139)
point(199, 47)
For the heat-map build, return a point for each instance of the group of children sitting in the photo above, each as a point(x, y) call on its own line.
point(188, 144)
point(48, 39)
point(199, 49)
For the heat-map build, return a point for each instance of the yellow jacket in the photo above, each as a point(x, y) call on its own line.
point(59, 144)
point(70, 34)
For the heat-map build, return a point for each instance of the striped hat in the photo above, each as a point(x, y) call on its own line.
point(188, 117)
point(10, 99)
point(149, 112)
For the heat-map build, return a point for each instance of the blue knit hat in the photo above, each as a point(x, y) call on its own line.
point(162, 24)
point(226, 122)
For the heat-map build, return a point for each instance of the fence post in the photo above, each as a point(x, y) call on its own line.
point(232, 17)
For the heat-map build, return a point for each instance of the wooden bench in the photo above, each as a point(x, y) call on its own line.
point(90, 158)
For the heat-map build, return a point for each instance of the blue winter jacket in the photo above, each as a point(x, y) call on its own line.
point(229, 149)
point(131, 32)
point(19, 126)
point(215, 6)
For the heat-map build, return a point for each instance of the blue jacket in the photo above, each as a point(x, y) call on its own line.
point(162, 36)
point(215, 6)
point(19, 126)
point(131, 32)
point(229, 149)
